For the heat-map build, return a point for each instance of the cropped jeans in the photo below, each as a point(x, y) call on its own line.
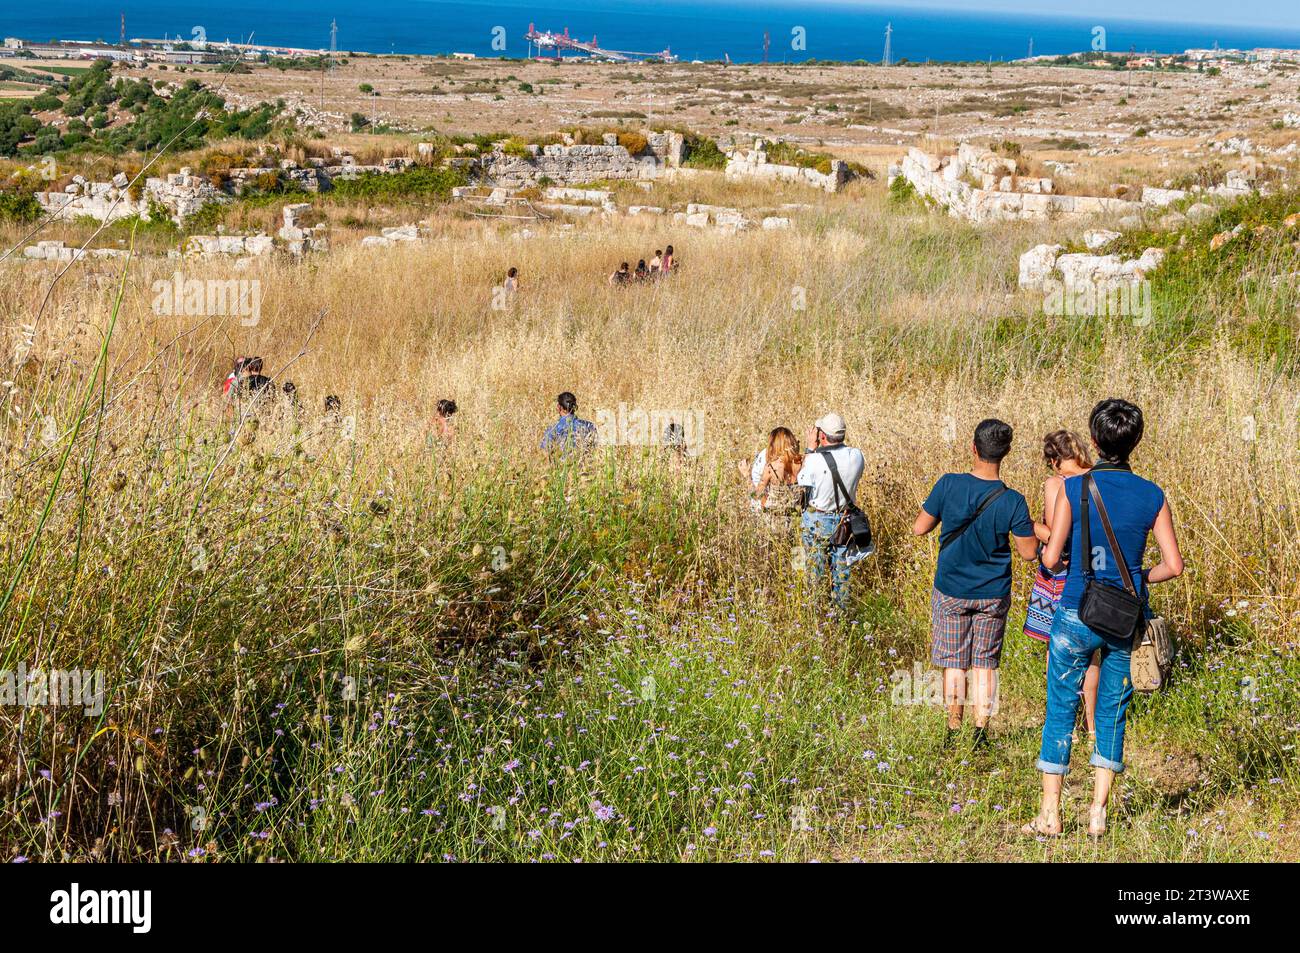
point(1070, 649)
point(823, 556)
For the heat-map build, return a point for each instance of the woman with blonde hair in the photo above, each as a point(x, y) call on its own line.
point(776, 491)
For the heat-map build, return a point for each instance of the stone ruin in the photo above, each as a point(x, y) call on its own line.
point(571, 164)
point(298, 238)
point(754, 164)
point(980, 186)
point(182, 194)
point(1043, 264)
point(58, 251)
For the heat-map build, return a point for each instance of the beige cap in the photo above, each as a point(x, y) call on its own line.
point(832, 425)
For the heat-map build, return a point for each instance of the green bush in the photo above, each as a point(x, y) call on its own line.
point(417, 181)
point(19, 207)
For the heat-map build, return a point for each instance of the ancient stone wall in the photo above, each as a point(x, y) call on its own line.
point(950, 181)
point(754, 164)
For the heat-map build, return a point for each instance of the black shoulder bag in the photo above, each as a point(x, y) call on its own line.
point(853, 528)
point(984, 505)
point(1105, 608)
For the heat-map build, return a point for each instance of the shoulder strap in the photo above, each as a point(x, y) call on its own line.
point(984, 504)
point(835, 477)
point(1090, 487)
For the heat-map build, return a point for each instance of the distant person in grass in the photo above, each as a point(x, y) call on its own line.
point(972, 581)
point(669, 261)
point(622, 276)
point(656, 263)
point(512, 281)
point(444, 422)
point(1137, 508)
point(570, 432)
point(642, 272)
point(825, 504)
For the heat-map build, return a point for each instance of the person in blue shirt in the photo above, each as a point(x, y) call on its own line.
point(972, 580)
point(570, 432)
point(1136, 508)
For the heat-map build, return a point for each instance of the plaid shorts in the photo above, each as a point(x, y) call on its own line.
point(967, 633)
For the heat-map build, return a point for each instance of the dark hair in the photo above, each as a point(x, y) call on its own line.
point(512, 272)
point(290, 388)
point(253, 364)
point(446, 407)
point(624, 267)
point(332, 403)
point(658, 252)
point(1116, 426)
point(640, 265)
point(568, 403)
point(670, 249)
point(1062, 445)
point(992, 440)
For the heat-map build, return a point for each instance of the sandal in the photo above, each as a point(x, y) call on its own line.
point(1039, 827)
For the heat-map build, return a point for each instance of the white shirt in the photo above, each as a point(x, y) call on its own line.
point(760, 464)
point(817, 475)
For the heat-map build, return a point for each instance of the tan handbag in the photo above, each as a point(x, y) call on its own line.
point(1153, 656)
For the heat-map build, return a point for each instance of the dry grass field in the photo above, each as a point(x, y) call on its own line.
point(343, 636)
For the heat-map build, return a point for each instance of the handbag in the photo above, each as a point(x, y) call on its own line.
point(1118, 612)
point(1152, 659)
point(853, 531)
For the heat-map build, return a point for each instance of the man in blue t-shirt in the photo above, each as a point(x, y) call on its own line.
point(570, 432)
point(972, 581)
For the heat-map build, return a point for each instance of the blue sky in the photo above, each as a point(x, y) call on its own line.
point(1283, 14)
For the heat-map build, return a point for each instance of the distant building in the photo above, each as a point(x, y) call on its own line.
point(13, 43)
point(188, 56)
point(463, 56)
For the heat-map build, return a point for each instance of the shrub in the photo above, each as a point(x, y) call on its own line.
point(19, 207)
point(417, 181)
point(634, 142)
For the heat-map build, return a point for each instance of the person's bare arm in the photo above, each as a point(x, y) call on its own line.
point(924, 523)
point(1061, 516)
point(1171, 557)
point(1043, 530)
point(1027, 546)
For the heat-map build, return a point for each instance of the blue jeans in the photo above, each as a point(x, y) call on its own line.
point(823, 557)
point(1071, 647)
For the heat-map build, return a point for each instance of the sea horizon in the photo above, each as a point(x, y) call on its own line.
point(692, 30)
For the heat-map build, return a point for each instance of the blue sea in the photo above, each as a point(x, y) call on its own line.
point(693, 29)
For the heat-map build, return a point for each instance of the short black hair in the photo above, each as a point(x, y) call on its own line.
point(446, 407)
point(332, 402)
point(1116, 426)
point(512, 272)
point(568, 403)
point(993, 440)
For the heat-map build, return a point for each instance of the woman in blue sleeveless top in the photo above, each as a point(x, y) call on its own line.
point(1136, 507)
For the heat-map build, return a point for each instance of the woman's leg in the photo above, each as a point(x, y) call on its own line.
point(1114, 692)
point(1067, 661)
point(1090, 681)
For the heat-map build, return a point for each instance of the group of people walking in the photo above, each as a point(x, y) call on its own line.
point(661, 263)
point(981, 523)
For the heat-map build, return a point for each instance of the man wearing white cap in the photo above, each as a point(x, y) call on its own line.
point(826, 502)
